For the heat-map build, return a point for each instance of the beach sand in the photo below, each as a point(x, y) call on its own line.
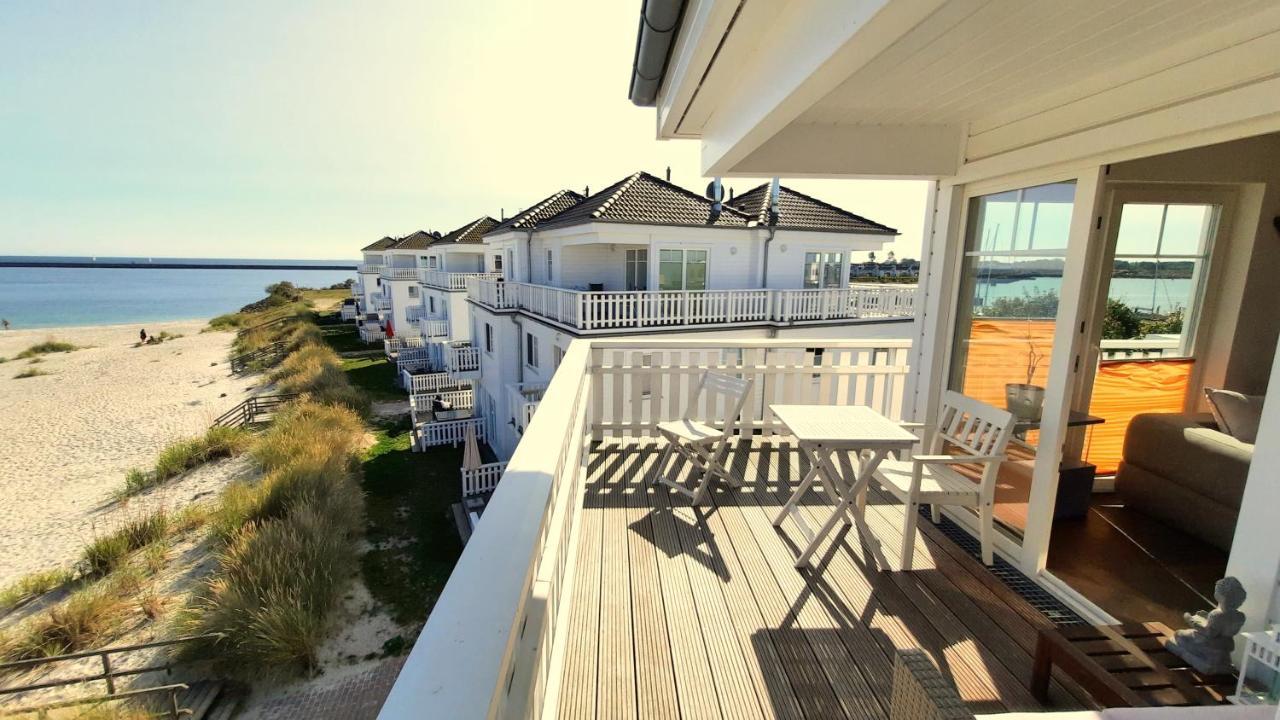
point(69, 437)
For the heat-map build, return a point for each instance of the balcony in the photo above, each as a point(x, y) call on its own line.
point(373, 268)
point(608, 312)
point(414, 313)
point(453, 280)
point(381, 303)
point(462, 361)
point(371, 333)
point(522, 403)
point(434, 328)
point(398, 273)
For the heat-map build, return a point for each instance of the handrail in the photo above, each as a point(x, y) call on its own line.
point(246, 412)
point(108, 673)
point(273, 350)
point(615, 309)
point(175, 711)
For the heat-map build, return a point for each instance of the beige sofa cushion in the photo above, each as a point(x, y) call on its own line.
point(1237, 414)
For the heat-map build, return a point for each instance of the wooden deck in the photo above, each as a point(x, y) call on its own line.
point(698, 612)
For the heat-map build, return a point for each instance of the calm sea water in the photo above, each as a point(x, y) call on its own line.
point(54, 297)
point(1162, 295)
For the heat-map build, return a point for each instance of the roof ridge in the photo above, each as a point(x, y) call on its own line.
point(625, 186)
point(531, 212)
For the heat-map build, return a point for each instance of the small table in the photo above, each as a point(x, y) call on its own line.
point(1124, 666)
point(822, 430)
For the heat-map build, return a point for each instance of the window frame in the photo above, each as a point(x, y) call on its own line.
point(488, 338)
point(825, 259)
point(635, 272)
point(550, 266)
point(684, 268)
point(530, 350)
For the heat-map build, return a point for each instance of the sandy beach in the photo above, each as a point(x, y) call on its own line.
point(69, 437)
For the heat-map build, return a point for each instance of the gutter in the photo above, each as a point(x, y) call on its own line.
point(659, 23)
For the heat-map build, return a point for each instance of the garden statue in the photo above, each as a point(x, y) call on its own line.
point(1208, 643)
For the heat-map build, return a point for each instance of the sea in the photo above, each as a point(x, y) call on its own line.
point(1160, 295)
point(36, 297)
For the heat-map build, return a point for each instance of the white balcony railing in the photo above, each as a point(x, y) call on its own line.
point(1151, 348)
point(433, 328)
point(476, 481)
point(449, 432)
point(369, 268)
point(522, 402)
point(511, 578)
point(398, 273)
point(452, 280)
point(464, 359)
point(463, 399)
point(435, 382)
point(348, 312)
point(371, 333)
point(381, 302)
point(605, 311)
point(414, 313)
point(393, 346)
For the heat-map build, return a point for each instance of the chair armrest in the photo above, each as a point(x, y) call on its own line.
point(954, 459)
point(920, 692)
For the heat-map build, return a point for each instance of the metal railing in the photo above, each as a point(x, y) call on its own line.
point(614, 310)
point(249, 411)
point(453, 280)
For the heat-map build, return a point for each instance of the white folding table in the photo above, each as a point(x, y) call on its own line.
point(821, 431)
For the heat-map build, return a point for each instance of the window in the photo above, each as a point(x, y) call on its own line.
point(549, 268)
point(413, 291)
point(530, 350)
point(637, 270)
point(557, 355)
point(497, 262)
point(431, 304)
point(682, 269)
point(432, 262)
point(823, 270)
point(488, 338)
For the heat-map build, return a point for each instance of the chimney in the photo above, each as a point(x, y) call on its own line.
point(586, 191)
point(502, 213)
point(730, 192)
point(668, 173)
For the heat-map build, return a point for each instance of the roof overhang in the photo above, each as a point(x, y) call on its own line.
point(933, 88)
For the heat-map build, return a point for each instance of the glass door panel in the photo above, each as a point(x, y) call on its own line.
point(1010, 281)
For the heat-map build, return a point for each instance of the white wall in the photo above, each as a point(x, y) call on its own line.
point(582, 265)
point(400, 301)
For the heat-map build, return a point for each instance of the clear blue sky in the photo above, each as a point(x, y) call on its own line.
point(309, 129)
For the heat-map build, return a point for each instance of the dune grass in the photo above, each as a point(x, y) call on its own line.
point(288, 545)
point(30, 373)
point(178, 457)
point(109, 551)
point(315, 369)
point(47, 347)
point(33, 585)
point(87, 617)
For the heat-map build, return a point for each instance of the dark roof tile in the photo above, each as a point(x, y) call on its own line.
point(643, 199)
point(539, 211)
point(797, 211)
point(472, 233)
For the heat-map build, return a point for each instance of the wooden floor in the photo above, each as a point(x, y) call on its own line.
point(681, 612)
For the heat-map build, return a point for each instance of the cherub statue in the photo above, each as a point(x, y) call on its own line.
point(1208, 643)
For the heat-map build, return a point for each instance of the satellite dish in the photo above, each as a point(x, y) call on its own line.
point(715, 191)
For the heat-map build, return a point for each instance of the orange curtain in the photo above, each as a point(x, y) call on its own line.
point(997, 354)
point(1124, 388)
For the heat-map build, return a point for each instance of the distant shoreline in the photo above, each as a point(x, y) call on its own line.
point(168, 265)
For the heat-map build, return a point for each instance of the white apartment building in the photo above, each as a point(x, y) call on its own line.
point(647, 257)
point(367, 289)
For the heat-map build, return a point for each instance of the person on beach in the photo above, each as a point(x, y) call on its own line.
point(142, 336)
point(5, 323)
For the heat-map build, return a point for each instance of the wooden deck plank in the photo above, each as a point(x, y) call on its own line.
point(698, 612)
point(579, 681)
point(655, 674)
point(809, 615)
point(707, 574)
point(616, 680)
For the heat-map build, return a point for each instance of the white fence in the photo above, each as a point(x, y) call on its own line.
point(371, 333)
point(448, 432)
point(522, 403)
point(511, 578)
point(462, 359)
point(394, 345)
point(414, 313)
point(432, 383)
point(369, 268)
point(398, 273)
point(433, 328)
point(453, 280)
point(482, 479)
point(348, 312)
point(620, 310)
point(1150, 348)
point(457, 399)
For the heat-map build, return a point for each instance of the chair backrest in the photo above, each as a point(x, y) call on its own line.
point(976, 427)
point(717, 385)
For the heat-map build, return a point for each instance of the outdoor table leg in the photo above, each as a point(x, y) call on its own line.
point(792, 501)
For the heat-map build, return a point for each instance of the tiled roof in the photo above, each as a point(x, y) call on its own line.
point(539, 211)
point(643, 199)
point(415, 241)
point(797, 211)
point(382, 244)
point(472, 232)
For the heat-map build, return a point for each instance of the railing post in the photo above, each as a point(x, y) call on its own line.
point(106, 671)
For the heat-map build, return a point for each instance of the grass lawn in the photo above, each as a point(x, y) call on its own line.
point(408, 495)
point(342, 336)
point(376, 377)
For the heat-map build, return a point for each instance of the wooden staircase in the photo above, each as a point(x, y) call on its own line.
point(210, 700)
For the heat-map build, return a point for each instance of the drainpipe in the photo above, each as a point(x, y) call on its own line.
point(519, 349)
point(772, 226)
point(528, 255)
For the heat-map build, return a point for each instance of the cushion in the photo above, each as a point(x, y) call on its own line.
point(1237, 414)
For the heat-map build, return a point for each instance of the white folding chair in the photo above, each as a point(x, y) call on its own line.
point(979, 433)
point(701, 444)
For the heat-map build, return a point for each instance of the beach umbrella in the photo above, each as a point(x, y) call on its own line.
point(471, 449)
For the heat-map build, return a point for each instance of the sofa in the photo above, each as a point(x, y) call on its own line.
point(1181, 470)
point(920, 692)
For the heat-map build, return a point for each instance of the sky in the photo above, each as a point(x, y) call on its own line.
point(310, 129)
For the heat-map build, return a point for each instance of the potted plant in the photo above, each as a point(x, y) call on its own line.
point(1026, 400)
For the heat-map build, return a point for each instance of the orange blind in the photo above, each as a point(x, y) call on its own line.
point(997, 355)
point(1124, 388)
